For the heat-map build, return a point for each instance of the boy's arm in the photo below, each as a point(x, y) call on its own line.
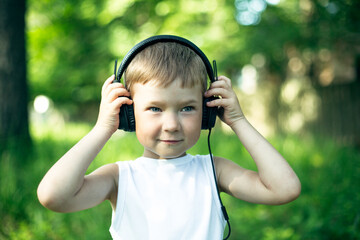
point(275, 182)
point(65, 188)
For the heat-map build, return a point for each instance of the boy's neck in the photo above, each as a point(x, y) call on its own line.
point(148, 154)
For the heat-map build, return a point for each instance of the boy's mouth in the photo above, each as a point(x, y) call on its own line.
point(170, 141)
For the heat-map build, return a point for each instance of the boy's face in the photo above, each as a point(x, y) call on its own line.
point(168, 119)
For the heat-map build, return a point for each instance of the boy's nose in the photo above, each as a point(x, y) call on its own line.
point(171, 122)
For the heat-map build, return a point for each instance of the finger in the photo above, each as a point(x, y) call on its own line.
point(225, 79)
point(220, 84)
point(108, 82)
point(117, 103)
point(112, 87)
point(219, 102)
point(224, 93)
point(116, 93)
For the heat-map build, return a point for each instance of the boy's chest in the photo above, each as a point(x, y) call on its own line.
point(167, 191)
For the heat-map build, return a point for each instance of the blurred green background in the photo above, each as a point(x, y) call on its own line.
point(295, 65)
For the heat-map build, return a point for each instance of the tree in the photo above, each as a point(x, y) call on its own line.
point(72, 47)
point(14, 127)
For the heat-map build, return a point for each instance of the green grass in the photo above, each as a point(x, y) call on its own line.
point(328, 208)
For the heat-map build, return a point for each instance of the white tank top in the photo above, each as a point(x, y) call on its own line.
point(166, 200)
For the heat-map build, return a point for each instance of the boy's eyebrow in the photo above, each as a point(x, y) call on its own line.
point(184, 102)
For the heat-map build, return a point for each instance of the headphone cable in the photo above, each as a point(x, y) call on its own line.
point(223, 209)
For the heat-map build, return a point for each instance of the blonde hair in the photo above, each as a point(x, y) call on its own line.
point(164, 63)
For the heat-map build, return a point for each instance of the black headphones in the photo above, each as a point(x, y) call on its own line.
point(127, 118)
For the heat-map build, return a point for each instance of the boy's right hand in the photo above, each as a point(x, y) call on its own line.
point(113, 96)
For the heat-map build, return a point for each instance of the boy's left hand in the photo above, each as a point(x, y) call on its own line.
point(228, 100)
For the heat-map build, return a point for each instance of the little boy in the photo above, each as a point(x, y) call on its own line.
point(166, 193)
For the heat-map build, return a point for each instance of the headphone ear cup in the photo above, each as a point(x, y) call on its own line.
point(127, 118)
point(209, 114)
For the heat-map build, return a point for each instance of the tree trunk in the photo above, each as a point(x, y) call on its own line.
point(14, 124)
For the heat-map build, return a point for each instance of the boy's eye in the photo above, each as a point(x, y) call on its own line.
point(187, 109)
point(155, 109)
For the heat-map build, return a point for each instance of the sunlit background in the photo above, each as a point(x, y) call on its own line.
point(294, 64)
point(281, 55)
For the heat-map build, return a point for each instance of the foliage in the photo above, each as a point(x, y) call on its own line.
point(71, 48)
point(296, 46)
point(328, 207)
point(73, 45)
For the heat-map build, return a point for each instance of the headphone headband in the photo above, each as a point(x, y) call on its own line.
point(163, 38)
point(127, 117)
